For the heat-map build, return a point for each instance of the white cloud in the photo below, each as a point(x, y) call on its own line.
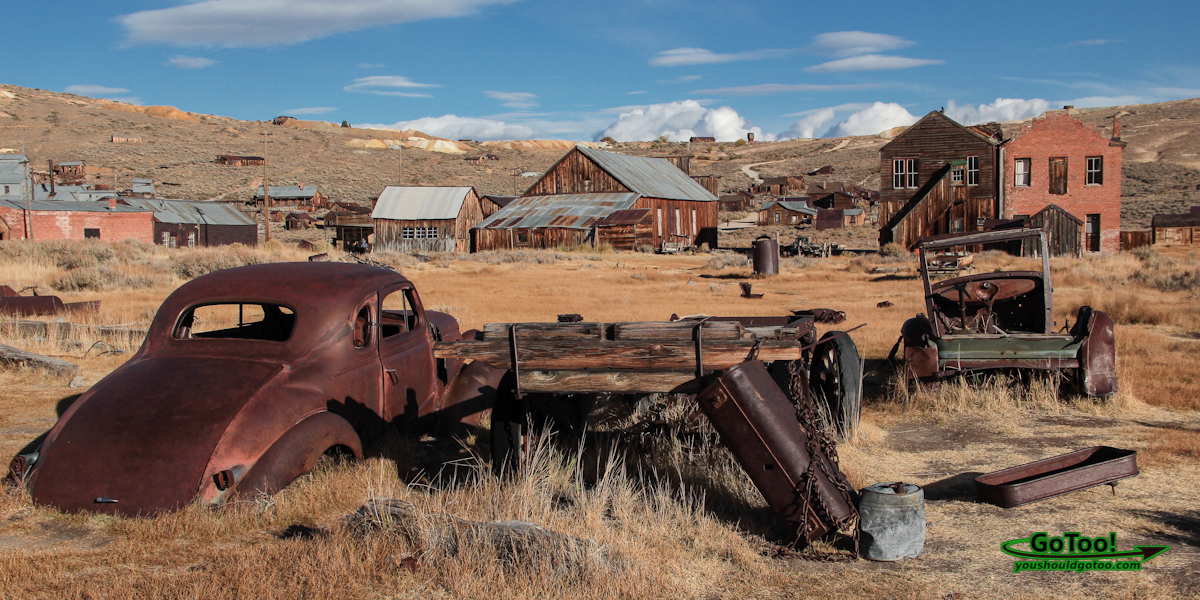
point(312, 110)
point(99, 91)
point(852, 43)
point(681, 79)
point(808, 126)
point(514, 99)
point(1003, 109)
point(870, 121)
point(680, 121)
point(680, 57)
point(180, 61)
point(635, 93)
point(462, 128)
point(385, 85)
point(871, 62)
point(763, 89)
point(240, 23)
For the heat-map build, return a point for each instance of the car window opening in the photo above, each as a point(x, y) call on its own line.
point(362, 328)
point(396, 314)
point(242, 321)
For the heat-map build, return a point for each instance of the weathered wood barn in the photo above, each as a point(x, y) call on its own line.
point(708, 182)
point(1176, 229)
point(834, 200)
point(586, 186)
point(938, 177)
point(779, 186)
point(292, 195)
point(297, 221)
point(182, 224)
point(491, 203)
point(428, 219)
point(1057, 159)
point(739, 201)
point(793, 211)
point(240, 161)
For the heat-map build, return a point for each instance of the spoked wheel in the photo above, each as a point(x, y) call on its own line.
point(836, 382)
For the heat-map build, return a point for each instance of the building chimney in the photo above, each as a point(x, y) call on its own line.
point(51, 161)
point(112, 204)
point(1116, 128)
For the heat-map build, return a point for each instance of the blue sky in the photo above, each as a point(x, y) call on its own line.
point(632, 69)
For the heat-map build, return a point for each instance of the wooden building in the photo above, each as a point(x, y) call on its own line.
point(351, 223)
point(293, 195)
point(779, 186)
point(426, 219)
point(786, 212)
point(626, 229)
point(708, 182)
point(699, 139)
point(1064, 232)
point(182, 224)
point(1058, 159)
point(71, 171)
point(1176, 229)
point(586, 186)
point(835, 201)
point(298, 221)
point(939, 206)
point(1136, 238)
point(240, 161)
point(913, 164)
point(740, 201)
point(491, 203)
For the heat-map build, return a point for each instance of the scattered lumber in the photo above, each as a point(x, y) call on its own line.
point(15, 357)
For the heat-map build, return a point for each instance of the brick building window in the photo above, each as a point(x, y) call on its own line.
point(1095, 170)
point(91, 234)
point(1092, 233)
point(904, 173)
point(1058, 175)
point(1021, 175)
point(972, 170)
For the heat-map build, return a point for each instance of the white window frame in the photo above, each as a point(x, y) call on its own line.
point(1021, 175)
point(972, 170)
point(166, 239)
point(905, 174)
point(406, 233)
point(678, 223)
point(191, 239)
point(431, 233)
point(1095, 176)
point(957, 176)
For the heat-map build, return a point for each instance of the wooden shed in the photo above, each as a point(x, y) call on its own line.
point(551, 221)
point(940, 206)
point(786, 212)
point(1136, 238)
point(1064, 232)
point(779, 186)
point(1177, 229)
point(626, 229)
point(351, 223)
point(428, 219)
point(292, 195)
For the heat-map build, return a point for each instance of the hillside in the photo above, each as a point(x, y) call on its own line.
point(178, 149)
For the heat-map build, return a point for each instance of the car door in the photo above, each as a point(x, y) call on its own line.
point(357, 392)
point(406, 354)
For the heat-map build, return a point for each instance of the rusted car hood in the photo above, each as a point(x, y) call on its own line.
point(143, 436)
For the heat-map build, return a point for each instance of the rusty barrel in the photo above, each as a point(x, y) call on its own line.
point(766, 256)
point(757, 422)
point(892, 521)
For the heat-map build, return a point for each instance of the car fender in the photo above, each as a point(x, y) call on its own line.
point(1098, 354)
point(295, 453)
point(467, 396)
point(920, 356)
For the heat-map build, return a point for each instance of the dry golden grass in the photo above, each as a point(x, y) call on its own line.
point(681, 522)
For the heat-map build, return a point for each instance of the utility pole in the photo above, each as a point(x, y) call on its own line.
point(266, 193)
point(400, 163)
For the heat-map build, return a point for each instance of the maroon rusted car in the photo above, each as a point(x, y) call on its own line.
point(246, 379)
point(1003, 320)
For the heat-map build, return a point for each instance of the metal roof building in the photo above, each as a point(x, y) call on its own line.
point(430, 219)
point(572, 211)
point(180, 223)
point(651, 177)
point(412, 203)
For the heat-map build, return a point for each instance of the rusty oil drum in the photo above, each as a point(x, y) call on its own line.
point(766, 256)
point(891, 521)
point(757, 422)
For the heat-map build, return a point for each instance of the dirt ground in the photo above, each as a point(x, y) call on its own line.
point(717, 548)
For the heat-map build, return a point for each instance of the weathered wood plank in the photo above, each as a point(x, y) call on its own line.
point(578, 331)
point(14, 356)
point(614, 382)
point(571, 355)
point(677, 330)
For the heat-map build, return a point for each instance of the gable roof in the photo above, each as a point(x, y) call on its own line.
point(651, 177)
point(406, 203)
point(571, 211)
point(12, 169)
point(289, 191)
point(53, 206)
point(1060, 209)
point(191, 213)
point(799, 206)
point(983, 132)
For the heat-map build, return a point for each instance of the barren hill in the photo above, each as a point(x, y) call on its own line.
point(178, 149)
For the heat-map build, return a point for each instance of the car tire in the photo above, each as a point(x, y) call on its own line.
point(836, 382)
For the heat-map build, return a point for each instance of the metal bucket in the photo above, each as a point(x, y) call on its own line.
point(766, 256)
point(892, 524)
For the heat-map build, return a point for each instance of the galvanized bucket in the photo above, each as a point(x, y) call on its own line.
point(892, 521)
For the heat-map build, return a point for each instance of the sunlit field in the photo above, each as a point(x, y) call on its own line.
point(677, 520)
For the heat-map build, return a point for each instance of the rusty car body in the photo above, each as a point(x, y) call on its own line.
point(1003, 320)
point(315, 358)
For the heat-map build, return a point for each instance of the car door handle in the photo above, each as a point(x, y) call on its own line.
point(392, 375)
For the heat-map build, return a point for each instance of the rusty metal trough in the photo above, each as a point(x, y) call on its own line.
point(1022, 484)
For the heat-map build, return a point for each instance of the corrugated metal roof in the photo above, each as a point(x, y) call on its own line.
point(419, 203)
point(12, 169)
point(572, 211)
point(71, 163)
point(289, 191)
point(651, 177)
point(51, 206)
point(624, 217)
point(194, 213)
point(800, 207)
point(500, 201)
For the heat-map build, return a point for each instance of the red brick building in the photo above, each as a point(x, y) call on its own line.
point(1057, 159)
point(106, 221)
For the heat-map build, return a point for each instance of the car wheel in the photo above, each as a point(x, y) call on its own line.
point(836, 382)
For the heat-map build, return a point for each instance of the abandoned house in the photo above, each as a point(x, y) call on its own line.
point(232, 160)
point(786, 212)
point(351, 223)
point(298, 221)
point(1176, 229)
point(739, 201)
point(69, 171)
point(697, 139)
point(14, 185)
point(105, 220)
point(586, 186)
point(292, 195)
point(1057, 159)
point(708, 182)
point(779, 186)
point(428, 219)
point(183, 224)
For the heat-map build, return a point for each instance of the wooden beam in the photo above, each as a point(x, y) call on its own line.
point(614, 382)
point(577, 355)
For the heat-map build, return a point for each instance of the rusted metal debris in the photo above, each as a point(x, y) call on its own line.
point(884, 304)
point(746, 291)
point(12, 303)
point(1030, 482)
